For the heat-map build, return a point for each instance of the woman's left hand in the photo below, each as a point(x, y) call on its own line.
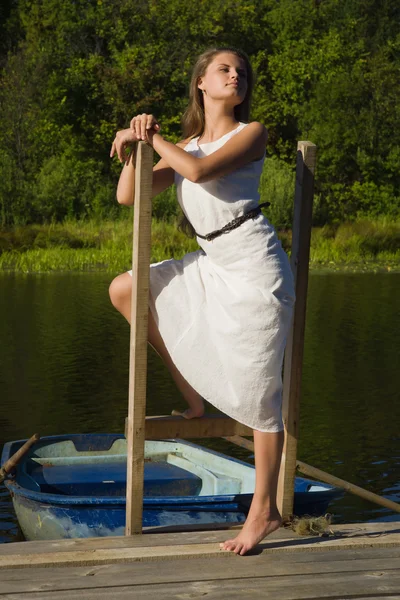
point(145, 126)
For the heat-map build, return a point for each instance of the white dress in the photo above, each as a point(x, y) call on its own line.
point(224, 311)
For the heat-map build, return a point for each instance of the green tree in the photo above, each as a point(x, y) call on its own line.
point(74, 72)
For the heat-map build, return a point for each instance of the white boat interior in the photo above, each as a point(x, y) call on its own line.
point(219, 474)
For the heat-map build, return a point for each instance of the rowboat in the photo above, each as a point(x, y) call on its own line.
point(72, 486)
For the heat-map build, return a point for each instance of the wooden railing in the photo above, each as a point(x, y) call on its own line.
point(139, 427)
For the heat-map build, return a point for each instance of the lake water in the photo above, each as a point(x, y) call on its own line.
point(64, 369)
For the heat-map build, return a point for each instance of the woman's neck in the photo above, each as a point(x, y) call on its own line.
point(217, 125)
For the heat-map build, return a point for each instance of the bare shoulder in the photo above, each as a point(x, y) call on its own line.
point(250, 141)
point(257, 130)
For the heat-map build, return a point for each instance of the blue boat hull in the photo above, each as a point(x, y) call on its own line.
point(49, 521)
point(49, 516)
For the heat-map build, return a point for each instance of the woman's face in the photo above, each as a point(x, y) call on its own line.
point(225, 78)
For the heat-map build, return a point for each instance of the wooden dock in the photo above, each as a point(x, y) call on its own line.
point(358, 561)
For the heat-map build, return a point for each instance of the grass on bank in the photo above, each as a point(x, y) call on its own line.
point(361, 243)
point(107, 246)
point(85, 246)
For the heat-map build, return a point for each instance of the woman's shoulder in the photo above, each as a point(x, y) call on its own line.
point(254, 133)
point(256, 127)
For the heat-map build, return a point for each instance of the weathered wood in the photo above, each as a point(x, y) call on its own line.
point(139, 337)
point(306, 160)
point(161, 553)
point(170, 427)
point(200, 569)
point(282, 536)
point(349, 487)
point(106, 556)
point(368, 584)
point(154, 539)
point(97, 551)
point(366, 565)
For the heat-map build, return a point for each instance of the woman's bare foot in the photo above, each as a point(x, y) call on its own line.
point(196, 409)
point(258, 525)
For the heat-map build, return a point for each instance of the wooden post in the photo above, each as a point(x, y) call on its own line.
point(138, 340)
point(301, 234)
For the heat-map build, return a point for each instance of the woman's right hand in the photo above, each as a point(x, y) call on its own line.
point(144, 126)
point(123, 139)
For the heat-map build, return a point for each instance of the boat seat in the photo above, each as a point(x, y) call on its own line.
point(109, 479)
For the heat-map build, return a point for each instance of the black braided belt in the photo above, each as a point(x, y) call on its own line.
point(233, 224)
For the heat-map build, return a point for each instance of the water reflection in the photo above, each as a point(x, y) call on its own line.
point(64, 369)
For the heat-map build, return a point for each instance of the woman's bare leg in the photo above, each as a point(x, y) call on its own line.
point(120, 294)
point(264, 516)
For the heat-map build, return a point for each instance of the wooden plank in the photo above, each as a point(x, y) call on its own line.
point(306, 159)
point(278, 564)
point(155, 539)
point(173, 571)
point(283, 536)
point(139, 336)
point(106, 556)
point(93, 555)
point(370, 584)
point(212, 425)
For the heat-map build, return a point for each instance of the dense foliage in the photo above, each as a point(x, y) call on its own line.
point(74, 72)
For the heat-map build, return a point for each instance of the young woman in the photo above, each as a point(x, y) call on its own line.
point(220, 316)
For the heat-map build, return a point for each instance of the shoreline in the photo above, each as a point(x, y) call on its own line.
point(97, 267)
point(364, 246)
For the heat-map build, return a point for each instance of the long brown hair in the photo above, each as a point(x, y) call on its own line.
point(193, 120)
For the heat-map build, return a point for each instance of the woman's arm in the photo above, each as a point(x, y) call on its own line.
point(246, 146)
point(163, 174)
point(126, 182)
point(124, 140)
